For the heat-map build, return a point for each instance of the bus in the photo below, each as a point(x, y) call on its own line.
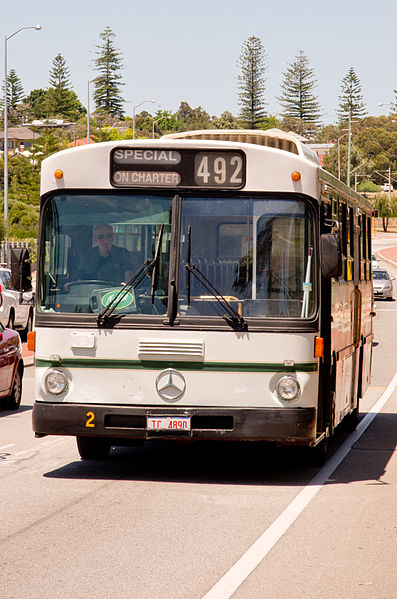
point(236, 304)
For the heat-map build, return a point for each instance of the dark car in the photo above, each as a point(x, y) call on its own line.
point(11, 369)
point(382, 284)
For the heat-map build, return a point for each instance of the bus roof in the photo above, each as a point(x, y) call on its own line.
point(271, 138)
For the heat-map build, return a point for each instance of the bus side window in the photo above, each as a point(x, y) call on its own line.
point(363, 270)
point(369, 233)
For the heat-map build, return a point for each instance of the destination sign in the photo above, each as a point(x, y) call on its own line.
point(130, 178)
point(184, 168)
point(123, 156)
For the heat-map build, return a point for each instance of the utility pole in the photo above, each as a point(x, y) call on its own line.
point(349, 147)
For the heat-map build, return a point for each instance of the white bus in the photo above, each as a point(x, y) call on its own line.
point(208, 285)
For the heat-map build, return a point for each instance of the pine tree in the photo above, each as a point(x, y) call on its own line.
point(15, 90)
point(297, 96)
point(59, 74)
point(351, 101)
point(251, 82)
point(59, 99)
point(107, 85)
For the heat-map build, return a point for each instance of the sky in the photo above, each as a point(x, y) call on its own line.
point(180, 50)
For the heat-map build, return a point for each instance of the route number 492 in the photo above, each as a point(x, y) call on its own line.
point(218, 169)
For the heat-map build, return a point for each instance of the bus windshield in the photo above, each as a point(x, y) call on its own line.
point(257, 254)
point(93, 244)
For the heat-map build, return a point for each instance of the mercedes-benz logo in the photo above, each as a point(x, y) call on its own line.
point(170, 384)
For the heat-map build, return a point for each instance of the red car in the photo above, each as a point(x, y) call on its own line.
point(11, 369)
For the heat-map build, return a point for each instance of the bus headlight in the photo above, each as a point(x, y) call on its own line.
point(288, 388)
point(55, 382)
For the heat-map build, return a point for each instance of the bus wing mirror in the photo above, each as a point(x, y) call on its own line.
point(21, 270)
point(331, 255)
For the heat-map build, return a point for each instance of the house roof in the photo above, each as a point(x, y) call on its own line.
point(80, 142)
point(20, 133)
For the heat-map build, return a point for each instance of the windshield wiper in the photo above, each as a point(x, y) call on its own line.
point(155, 262)
point(233, 318)
point(134, 281)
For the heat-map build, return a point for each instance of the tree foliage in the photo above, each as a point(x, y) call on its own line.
point(297, 95)
point(225, 121)
point(351, 100)
point(387, 208)
point(251, 82)
point(107, 84)
point(15, 92)
point(60, 100)
point(193, 118)
point(35, 101)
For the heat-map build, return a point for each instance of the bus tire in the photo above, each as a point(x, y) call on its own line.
point(351, 420)
point(93, 448)
point(318, 455)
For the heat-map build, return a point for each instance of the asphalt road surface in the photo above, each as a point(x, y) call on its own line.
point(208, 521)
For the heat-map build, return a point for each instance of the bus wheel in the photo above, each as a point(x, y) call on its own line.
point(93, 448)
point(318, 454)
point(351, 420)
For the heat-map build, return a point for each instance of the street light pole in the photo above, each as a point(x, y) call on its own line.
point(153, 124)
point(339, 170)
point(133, 114)
point(88, 110)
point(5, 148)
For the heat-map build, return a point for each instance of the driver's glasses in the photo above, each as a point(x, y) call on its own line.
point(105, 236)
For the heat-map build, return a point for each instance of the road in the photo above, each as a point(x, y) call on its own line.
point(180, 522)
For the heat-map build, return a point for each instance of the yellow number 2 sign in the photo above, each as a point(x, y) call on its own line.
point(89, 423)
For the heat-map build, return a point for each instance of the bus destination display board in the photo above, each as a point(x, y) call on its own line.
point(185, 168)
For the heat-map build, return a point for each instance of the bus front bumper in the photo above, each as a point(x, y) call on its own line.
point(284, 426)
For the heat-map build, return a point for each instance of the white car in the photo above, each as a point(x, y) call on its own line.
point(387, 187)
point(13, 314)
point(374, 261)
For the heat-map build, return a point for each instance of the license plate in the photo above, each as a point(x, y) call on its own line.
point(161, 423)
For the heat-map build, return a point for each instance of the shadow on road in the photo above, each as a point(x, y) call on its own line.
point(14, 412)
point(240, 463)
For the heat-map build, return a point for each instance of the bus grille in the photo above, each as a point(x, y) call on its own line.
point(171, 350)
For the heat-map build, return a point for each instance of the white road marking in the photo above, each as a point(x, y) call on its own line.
point(40, 447)
point(7, 446)
point(43, 446)
point(247, 563)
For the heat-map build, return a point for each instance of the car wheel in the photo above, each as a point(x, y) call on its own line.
point(13, 401)
point(93, 448)
point(11, 320)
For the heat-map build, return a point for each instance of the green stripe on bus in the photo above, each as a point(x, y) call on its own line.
point(99, 363)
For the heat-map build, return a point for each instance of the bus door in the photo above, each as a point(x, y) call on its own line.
point(355, 244)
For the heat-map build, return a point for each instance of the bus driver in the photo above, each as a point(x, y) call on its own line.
point(105, 261)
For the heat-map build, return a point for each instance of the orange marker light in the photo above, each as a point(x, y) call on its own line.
point(318, 347)
point(295, 176)
point(58, 174)
point(32, 341)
